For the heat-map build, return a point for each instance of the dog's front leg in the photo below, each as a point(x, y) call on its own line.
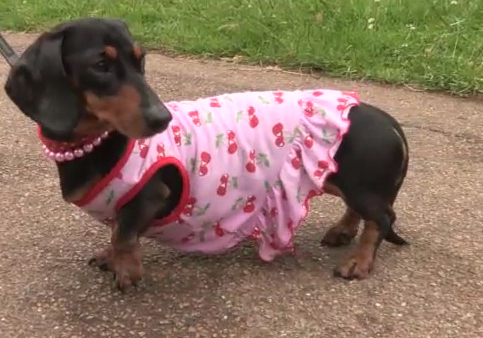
point(123, 256)
point(126, 253)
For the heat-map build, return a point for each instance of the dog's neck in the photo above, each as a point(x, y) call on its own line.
point(80, 173)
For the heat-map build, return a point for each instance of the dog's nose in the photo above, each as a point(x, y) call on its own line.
point(159, 124)
point(158, 119)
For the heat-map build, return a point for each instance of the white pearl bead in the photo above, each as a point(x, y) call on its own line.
point(59, 157)
point(78, 153)
point(69, 156)
point(88, 148)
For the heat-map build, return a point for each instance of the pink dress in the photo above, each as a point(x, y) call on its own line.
point(250, 162)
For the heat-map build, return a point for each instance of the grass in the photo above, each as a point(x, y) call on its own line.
point(436, 44)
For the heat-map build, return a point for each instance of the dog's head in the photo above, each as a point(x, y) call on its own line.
point(84, 77)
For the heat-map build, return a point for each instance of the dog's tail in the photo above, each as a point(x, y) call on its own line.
point(394, 238)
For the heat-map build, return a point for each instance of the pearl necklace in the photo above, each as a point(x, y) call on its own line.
point(64, 151)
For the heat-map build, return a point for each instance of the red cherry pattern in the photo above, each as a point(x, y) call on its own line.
point(256, 233)
point(251, 166)
point(249, 204)
point(322, 165)
point(188, 209)
point(218, 230)
point(214, 102)
point(309, 141)
point(221, 190)
point(195, 117)
point(278, 97)
point(161, 151)
point(252, 118)
point(143, 149)
point(296, 160)
point(205, 159)
point(309, 110)
point(176, 135)
point(232, 145)
point(277, 130)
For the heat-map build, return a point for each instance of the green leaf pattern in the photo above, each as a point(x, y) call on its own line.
point(193, 163)
point(209, 118)
point(263, 100)
point(110, 197)
point(237, 203)
point(219, 139)
point(263, 159)
point(187, 139)
point(239, 116)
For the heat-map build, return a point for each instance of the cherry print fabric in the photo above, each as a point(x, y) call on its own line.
point(250, 164)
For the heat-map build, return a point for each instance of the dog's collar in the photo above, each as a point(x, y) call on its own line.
point(67, 151)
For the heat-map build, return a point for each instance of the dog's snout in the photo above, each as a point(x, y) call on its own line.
point(159, 124)
point(158, 118)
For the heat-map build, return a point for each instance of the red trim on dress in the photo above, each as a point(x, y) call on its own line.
point(147, 175)
point(104, 182)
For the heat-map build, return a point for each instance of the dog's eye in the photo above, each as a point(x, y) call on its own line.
point(102, 66)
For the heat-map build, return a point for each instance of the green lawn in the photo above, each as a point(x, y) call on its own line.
point(437, 44)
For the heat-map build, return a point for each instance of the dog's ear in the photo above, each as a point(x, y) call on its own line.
point(39, 86)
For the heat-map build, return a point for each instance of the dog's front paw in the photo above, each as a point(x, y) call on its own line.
point(128, 268)
point(356, 266)
point(103, 259)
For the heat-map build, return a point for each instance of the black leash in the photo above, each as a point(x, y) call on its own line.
point(7, 51)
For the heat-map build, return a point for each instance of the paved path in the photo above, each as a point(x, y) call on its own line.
point(433, 288)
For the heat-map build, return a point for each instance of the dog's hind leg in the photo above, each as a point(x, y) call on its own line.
point(378, 221)
point(373, 160)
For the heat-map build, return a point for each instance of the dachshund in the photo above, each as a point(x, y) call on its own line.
point(203, 175)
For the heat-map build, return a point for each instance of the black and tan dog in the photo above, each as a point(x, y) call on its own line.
point(86, 77)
